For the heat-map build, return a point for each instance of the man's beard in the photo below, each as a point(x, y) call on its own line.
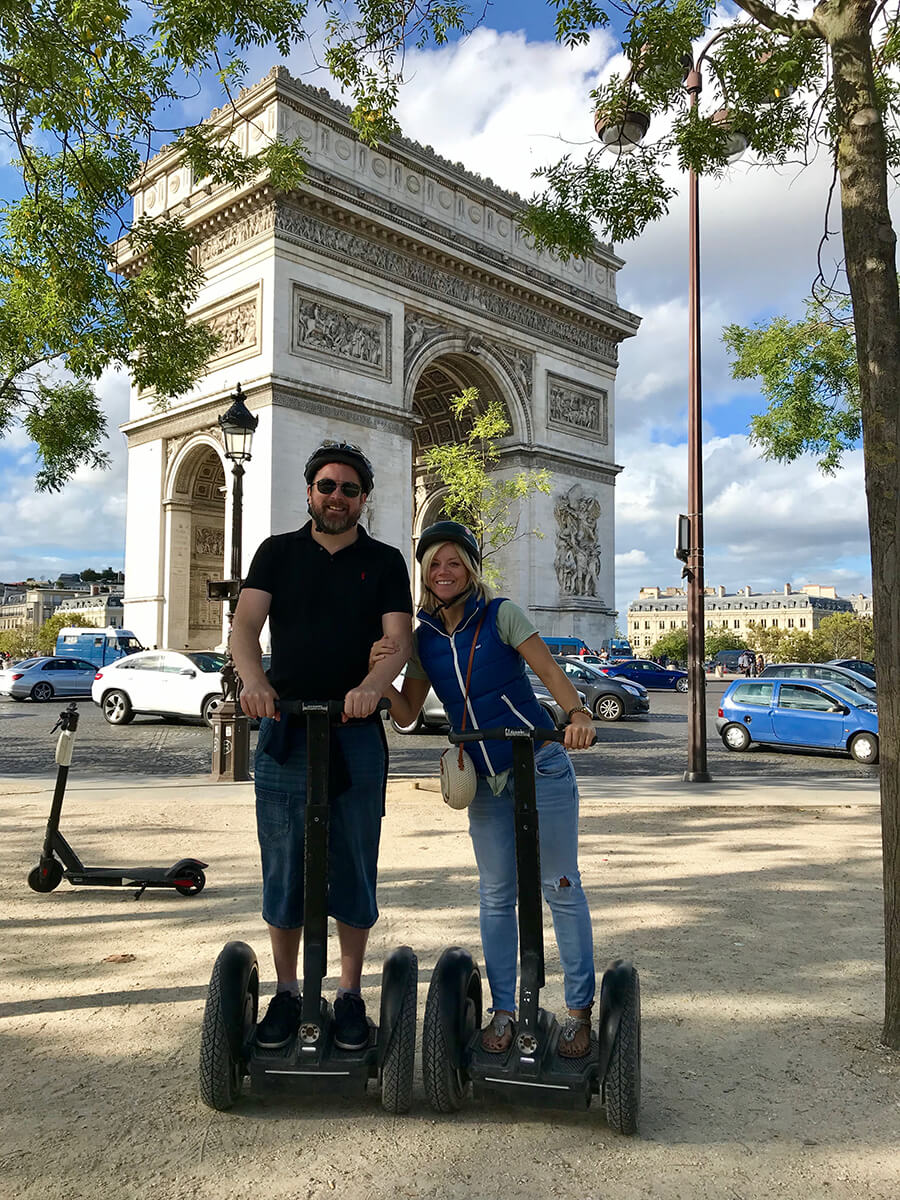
point(331, 522)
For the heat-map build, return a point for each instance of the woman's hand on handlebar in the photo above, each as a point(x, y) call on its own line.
point(258, 699)
point(383, 648)
point(579, 732)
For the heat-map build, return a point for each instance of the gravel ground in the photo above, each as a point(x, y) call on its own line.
point(757, 932)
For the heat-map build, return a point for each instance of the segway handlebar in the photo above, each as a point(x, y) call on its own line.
point(334, 708)
point(509, 734)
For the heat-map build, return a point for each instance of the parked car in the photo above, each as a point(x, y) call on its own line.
point(99, 646)
point(609, 699)
point(859, 665)
point(46, 677)
point(557, 716)
point(824, 671)
point(814, 714)
point(166, 683)
point(650, 674)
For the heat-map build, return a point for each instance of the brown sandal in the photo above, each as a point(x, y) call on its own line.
point(575, 1037)
point(501, 1030)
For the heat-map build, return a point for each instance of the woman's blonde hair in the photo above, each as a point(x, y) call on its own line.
point(429, 602)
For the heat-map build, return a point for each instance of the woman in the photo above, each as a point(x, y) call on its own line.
point(458, 609)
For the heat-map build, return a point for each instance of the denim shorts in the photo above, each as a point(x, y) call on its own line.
point(354, 828)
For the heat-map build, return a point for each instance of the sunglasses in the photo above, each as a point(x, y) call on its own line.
point(327, 486)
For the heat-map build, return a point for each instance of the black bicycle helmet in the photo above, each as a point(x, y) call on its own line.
point(449, 531)
point(341, 452)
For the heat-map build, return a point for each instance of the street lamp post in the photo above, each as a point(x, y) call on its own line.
point(623, 134)
point(231, 729)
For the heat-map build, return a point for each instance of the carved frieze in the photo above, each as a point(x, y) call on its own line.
point(209, 541)
point(303, 228)
point(233, 237)
point(327, 327)
point(577, 561)
point(576, 408)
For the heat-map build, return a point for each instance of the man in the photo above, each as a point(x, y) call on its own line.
point(328, 591)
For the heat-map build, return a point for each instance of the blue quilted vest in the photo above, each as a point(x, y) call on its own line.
point(499, 691)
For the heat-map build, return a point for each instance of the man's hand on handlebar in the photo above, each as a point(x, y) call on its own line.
point(360, 702)
point(258, 699)
point(579, 732)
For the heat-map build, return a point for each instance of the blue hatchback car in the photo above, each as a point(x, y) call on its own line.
point(789, 712)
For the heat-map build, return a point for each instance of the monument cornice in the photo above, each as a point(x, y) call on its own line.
point(357, 241)
point(559, 460)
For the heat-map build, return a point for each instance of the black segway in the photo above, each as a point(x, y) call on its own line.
point(531, 1071)
point(312, 1062)
point(59, 861)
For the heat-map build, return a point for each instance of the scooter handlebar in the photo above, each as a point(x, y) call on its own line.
point(334, 708)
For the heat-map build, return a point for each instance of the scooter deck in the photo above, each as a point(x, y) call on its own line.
point(312, 1069)
point(545, 1080)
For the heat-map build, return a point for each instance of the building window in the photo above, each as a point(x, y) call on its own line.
point(737, 624)
point(646, 624)
point(790, 622)
point(802, 622)
point(762, 623)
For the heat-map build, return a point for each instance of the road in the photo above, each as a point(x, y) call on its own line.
point(652, 745)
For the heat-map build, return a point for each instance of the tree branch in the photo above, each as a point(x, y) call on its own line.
point(790, 26)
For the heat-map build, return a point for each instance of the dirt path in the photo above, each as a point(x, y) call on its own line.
point(757, 933)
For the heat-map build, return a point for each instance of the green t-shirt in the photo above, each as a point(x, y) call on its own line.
point(513, 626)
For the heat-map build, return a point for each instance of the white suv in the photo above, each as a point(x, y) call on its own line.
point(166, 683)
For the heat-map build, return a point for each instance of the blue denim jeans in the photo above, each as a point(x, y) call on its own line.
point(353, 835)
point(492, 829)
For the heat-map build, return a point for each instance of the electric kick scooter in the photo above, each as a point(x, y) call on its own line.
point(59, 861)
point(311, 1062)
point(531, 1071)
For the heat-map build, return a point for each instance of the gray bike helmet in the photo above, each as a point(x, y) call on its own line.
point(449, 531)
point(341, 452)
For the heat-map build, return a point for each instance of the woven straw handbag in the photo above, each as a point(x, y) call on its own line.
point(458, 778)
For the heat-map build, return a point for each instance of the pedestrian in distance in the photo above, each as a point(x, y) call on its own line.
point(745, 662)
point(461, 621)
point(328, 590)
point(760, 664)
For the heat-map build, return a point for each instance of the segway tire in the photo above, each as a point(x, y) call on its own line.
point(452, 1014)
point(399, 1063)
point(40, 880)
point(229, 1019)
point(622, 1086)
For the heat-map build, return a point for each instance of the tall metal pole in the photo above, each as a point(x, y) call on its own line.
point(237, 518)
point(696, 614)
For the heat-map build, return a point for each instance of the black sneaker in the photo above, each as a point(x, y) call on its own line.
point(351, 1029)
point(280, 1023)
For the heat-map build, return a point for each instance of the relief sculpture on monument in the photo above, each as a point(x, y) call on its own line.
point(577, 560)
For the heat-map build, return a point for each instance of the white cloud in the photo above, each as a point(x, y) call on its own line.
point(43, 533)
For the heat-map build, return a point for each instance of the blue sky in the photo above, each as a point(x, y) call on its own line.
point(505, 100)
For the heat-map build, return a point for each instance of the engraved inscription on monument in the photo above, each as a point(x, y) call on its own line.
point(576, 408)
point(328, 328)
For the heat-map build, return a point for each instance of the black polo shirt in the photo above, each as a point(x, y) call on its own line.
point(326, 609)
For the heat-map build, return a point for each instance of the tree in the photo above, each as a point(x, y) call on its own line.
point(19, 643)
point(47, 634)
point(90, 575)
point(476, 495)
point(789, 85)
point(723, 638)
point(672, 644)
point(84, 91)
point(844, 635)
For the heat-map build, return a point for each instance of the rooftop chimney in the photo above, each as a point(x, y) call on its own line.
point(787, 589)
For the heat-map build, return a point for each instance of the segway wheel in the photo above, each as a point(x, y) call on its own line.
point(622, 1087)
point(229, 1019)
point(452, 1014)
point(190, 882)
point(399, 1062)
point(45, 878)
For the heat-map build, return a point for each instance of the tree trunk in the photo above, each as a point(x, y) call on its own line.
point(870, 250)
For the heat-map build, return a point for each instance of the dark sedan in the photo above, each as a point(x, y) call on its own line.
point(650, 674)
point(609, 699)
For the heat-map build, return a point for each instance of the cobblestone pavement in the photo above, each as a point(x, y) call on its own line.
point(651, 745)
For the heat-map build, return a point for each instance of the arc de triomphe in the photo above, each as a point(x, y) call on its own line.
point(353, 308)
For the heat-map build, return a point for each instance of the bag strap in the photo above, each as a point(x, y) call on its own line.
point(468, 678)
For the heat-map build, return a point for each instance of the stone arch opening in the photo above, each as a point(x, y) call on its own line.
point(195, 548)
point(441, 379)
